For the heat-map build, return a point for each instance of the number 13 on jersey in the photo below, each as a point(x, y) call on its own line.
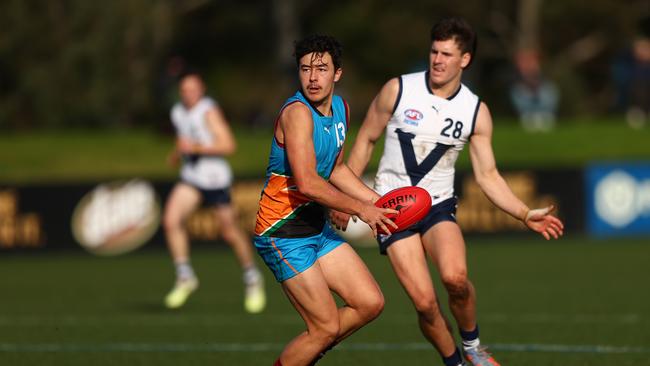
point(340, 134)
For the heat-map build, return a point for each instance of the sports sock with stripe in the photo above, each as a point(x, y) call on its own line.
point(470, 339)
point(251, 275)
point(184, 271)
point(454, 359)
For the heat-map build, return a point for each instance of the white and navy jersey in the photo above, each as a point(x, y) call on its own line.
point(424, 136)
point(202, 171)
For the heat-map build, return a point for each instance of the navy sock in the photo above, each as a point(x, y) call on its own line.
point(470, 339)
point(454, 359)
point(469, 336)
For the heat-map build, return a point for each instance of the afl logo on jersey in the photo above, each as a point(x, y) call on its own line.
point(413, 117)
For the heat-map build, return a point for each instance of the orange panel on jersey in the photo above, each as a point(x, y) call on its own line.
point(279, 200)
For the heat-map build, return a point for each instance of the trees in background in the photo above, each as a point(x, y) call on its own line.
point(79, 63)
point(113, 64)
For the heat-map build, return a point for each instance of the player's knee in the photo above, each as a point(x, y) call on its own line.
point(326, 332)
point(430, 312)
point(372, 306)
point(457, 286)
point(231, 233)
point(171, 222)
point(427, 306)
point(227, 233)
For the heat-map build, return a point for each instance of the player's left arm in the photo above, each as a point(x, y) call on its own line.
point(495, 187)
point(373, 126)
point(223, 143)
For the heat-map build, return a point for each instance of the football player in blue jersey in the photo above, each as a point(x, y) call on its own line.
point(306, 175)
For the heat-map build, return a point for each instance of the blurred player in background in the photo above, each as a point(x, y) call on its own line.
point(306, 173)
point(203, 139)
point(428, 117)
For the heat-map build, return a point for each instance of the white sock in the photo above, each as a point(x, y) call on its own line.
point(251, 275)
point(184, 271)
point(471, 344)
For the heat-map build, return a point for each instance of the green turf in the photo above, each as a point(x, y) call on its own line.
point(70, 308)
point(92, 155)
point(83, 155)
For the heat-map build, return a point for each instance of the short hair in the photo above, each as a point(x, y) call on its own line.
point(190, 74)
point(459, 30)
point(320, 44)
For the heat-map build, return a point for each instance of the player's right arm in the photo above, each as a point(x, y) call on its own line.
point(223, 143)
point(295, 131)
point(373, 126)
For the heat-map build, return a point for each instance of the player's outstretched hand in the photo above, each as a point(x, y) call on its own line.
point(541, 221)
point(375, 217)
point(340, 219)
point(173, 159)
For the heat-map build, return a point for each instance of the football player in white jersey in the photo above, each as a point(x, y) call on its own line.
point(428, 117)
point(203, 139)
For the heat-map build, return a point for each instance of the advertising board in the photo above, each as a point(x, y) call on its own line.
point(618, 199)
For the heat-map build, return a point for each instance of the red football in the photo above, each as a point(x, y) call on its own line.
point(413, 203)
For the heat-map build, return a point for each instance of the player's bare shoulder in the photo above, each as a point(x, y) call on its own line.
point(293, 117)
point(382, 107)
point(213, 114)
point(483, 121)
point(295, 113)
point(389, 93)
point(391, 85)
point(484, 110)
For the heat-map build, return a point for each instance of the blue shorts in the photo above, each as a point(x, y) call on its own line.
point(287, 257)
point(443, 211)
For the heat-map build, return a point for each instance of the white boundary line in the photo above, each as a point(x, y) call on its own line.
point(267, 347)
point(212, 320)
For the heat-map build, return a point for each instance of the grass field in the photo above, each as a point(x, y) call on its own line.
point(572, 302)
point(96, 155)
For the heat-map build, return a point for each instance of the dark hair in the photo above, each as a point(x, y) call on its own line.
point(644, 27)
point(319, 44)
point(459, 30)
point(190, 73)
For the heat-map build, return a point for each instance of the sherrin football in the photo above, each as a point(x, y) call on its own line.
point(413, 204)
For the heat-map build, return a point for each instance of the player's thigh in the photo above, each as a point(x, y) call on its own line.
point(408, 259)
point(182, 200)
point(310, 295)
point(445, 245)
point(347, 275)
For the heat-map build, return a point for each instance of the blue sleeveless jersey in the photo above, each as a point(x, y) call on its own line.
point(285, 212)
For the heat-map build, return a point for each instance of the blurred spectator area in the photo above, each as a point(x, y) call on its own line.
point(631, 73)
point(77, 63)
point(534, 96)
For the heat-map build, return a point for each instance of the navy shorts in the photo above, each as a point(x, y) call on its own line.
point(213, 197)
point(443, 211)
